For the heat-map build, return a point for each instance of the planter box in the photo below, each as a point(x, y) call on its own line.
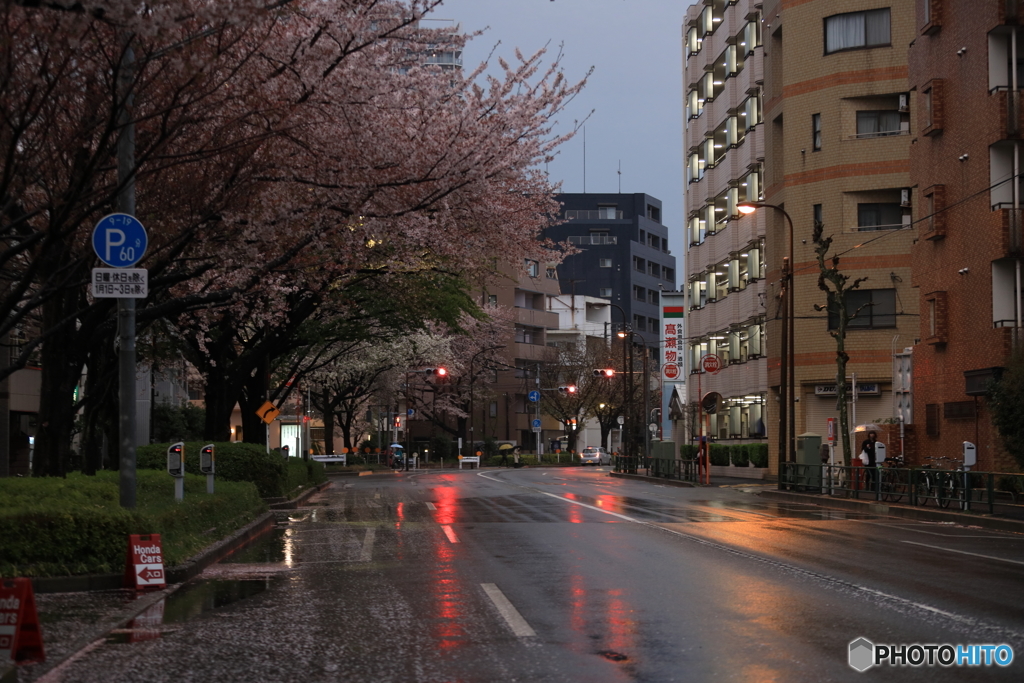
point(738, 472)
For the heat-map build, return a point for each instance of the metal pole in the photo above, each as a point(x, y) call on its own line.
point(126, 307)
point(784, 369)
point(647, 410)
point(537, 413)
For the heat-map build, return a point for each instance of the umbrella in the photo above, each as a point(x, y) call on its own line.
point(505, 447)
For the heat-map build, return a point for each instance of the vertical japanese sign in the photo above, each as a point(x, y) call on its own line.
point(671, 333)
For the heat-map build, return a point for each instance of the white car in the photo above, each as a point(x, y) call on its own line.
point(595, 455)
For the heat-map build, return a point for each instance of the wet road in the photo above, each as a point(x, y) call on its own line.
point(570, 575)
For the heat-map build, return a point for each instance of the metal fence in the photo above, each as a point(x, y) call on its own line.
point(662, 468)
point(988, 492)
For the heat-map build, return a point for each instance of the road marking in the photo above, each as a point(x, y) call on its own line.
point(964, 552)
point(450, 534)
point(367, 554)
point(376, 495)
point(968, 621)
point(430, 506)
point(507, 610)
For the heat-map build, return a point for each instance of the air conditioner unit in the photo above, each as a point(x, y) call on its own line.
point(904, 101)
point(905, 197)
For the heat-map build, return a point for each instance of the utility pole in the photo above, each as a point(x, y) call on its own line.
point(126, 306)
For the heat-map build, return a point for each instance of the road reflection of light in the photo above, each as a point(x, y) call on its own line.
point(447, 507)
point(445, 592)
point(289, 547)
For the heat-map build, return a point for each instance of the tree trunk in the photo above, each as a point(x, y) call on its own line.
point(841, 359)
point(252, 396)
point(62, 367)
point(220, 397)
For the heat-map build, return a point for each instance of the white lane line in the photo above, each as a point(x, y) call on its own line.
point(450, 534)
point(430, 506)
point(507, 610)
point(968, 621)
point(367, 553)
point(964, 552)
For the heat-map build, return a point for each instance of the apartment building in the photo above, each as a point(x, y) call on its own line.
point(624, 255)
point(840, 121)
point(724, 147)
point(966, 68)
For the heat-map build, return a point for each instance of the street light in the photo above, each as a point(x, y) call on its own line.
point(787, 382)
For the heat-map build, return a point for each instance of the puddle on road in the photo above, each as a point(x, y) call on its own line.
point(187, 603)
point(270, 547)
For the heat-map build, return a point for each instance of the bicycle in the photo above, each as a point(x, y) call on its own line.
point(947, 483)
point(894, 480)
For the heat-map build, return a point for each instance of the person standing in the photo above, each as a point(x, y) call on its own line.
point(867, 450)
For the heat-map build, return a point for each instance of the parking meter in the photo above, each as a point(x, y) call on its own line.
point(970, 455)
point(285, 450)
point(206, 460)
point(176, 468)
point(880, 455)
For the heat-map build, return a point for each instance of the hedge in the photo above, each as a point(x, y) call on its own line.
point(234, 462)
point(57, 527)
point(738, 454)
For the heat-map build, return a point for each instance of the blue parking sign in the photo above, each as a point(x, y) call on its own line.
point(119, 240)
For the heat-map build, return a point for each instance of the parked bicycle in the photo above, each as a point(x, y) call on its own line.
point(894, 481)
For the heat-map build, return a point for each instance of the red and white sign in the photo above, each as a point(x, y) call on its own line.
point(711, 363)
point(147, 625)
point(21, 640)
point(831, 430)
point(672, 356)
point(145, 565)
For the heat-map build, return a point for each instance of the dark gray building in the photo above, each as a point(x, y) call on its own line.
point(624, 257)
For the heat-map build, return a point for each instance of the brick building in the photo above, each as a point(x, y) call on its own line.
point(966, 68)
point(838, 129)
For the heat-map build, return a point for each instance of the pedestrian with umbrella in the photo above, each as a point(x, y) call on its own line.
point(503, 449)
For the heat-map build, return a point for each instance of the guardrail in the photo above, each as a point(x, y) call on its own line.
point(991, 492)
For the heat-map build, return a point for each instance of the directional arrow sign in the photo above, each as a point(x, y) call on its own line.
point(150, 573)
point(267, 412)
point(534, 396)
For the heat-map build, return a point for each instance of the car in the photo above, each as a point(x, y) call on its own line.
point(595, 455)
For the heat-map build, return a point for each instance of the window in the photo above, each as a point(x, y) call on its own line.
point(640, 323)
point(653, 269)
point(876, 124)
point(878, 216)
point(639, 264)
point(492, 299)
point(654, 213)
point(933, 109)
point(604, 263)
point(493, 409)
point(652, 297)
point(868, 309)
point(605, 292)
point(552, 273)
point(857, 30)
point(532, 268)
point(608, 212)
point(936, 302)
point(934, 207)
point(639, 293)
point(815, 132)
point(931, 419)
point(669, 274)
point(655, 241)
point(817, 215)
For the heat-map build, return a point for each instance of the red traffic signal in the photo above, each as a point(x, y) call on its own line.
point(568, 389)
point(607, 373)
point(436, 372)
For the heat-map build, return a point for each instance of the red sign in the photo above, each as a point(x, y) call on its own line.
point(831, 430)
point(21, 641)
point(671, 370)
point(145, 564)
point(711, 363)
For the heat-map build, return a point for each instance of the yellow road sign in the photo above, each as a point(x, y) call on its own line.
point(267, 412)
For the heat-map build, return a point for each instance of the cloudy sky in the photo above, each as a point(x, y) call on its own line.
point(635, 90)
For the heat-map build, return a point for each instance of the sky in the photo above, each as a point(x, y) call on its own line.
point(635, 91)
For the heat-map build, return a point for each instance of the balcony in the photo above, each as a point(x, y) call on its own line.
point(593, 240)
point(532, 317)
point(598, 215)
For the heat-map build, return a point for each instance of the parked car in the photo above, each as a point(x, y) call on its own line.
point(595, 455)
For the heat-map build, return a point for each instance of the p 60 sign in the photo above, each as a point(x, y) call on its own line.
point(119, 240)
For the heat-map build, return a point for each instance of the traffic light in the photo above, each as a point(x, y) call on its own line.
point(607, 373)
point(436, 372)
point(567, 390)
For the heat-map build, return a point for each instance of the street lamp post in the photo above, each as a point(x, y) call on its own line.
point(787, 394)
point(625, 374)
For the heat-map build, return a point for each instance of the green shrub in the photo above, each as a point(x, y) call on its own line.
point(234, 462)
point(688, 451)
point(740, 455)
point(302, 473)
point(58, 527)
point(758, 454)
point(719, 454)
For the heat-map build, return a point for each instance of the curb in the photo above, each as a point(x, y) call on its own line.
point(903, 511)
point(644, 477)
point(300, 499)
